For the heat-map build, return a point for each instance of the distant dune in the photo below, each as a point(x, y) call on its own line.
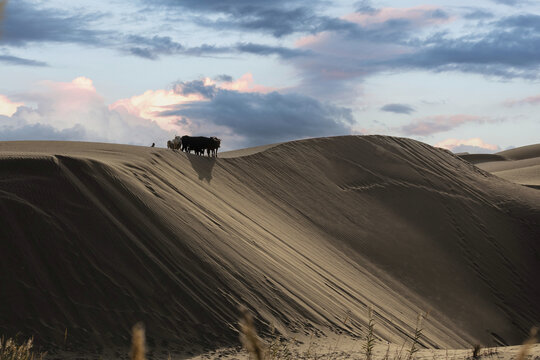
point(520, 165)
point(95, 237)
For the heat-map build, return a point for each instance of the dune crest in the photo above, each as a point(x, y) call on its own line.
point(520, 165)
point(96, 237)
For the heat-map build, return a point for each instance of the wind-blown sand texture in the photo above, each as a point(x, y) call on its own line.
point(520, 165)
point(305, 234)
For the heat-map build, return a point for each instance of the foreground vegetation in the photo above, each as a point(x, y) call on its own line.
point(279, 348)
point(11, 350)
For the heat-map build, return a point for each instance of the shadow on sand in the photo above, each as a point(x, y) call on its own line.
point(202, 165)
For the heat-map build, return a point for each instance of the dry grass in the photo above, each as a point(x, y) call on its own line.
point(138, 346)
point(416, 337)
point(525, 349)
point(248, 335)
point(279, 348)
point(370, 336)
point(10, 350)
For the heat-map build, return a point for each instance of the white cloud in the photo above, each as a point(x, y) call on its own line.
point(76, 111)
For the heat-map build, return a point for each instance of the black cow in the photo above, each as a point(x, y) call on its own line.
point(215, 143)
point(198, 144)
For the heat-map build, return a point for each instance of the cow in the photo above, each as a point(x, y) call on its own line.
point(198, 144)
point(213, 147)
point(177, 142)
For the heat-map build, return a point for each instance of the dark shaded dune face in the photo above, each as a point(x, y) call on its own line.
point(305, 234)
point(83, 253)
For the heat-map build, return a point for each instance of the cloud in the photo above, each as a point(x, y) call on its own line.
point(75, 111)
point(154, 47)
point(511, 48)
point(391, 39)
point(224, 77)
point(27, 22)
point(413, 17)
point(441, 123)
point(2, 7)
point(508, 2)
point(398, 108)
point(531, 100)
point(259, 49)
point(40, 132)
point(14, 60)
point(473, 146)
point(277, 18)
point(365, 6)
point(152, 103)
point(258, 118)
point(8, 107)
point(479, 14)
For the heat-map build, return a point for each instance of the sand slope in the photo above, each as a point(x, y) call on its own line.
point(306, 234)
point(520, 165)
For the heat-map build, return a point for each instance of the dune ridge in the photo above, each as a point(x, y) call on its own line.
point(305, 234)
point(520, 165)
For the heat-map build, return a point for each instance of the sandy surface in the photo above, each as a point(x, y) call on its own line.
point(520, 165)
point(306, 234)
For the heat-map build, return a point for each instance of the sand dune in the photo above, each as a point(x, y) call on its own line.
point(306, 234)
point(520, 165)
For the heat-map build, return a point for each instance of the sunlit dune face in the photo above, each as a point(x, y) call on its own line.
point(8, 107)
point(451, 144)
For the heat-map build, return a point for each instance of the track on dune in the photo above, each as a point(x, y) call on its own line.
point(305, 234)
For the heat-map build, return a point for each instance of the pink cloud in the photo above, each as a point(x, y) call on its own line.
point(151, 103)
point(440, 123)
point(8, 107)
point(76, 109)
point(452, 144)
point(418, 15)
point(531, 100)
point(245, 84)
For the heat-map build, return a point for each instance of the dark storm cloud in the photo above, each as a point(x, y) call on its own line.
point(259, 49)
point(523, 22)
point(264, 118)
point(280, 22)
point(153, 48)
point(510, 49)
point(195, 87)
point(26, 22)
point(278, 18)
point(398, 108)
point(224, 77)
point(14, 60)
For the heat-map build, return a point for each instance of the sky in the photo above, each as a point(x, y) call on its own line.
point(252, 72)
